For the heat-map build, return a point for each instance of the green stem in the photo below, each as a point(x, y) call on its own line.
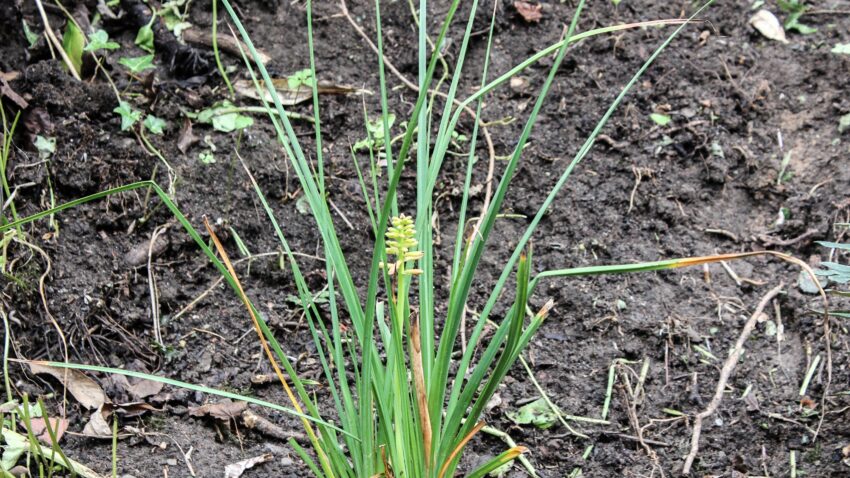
point(401, 370)
point(215, 49)
point(260, 109)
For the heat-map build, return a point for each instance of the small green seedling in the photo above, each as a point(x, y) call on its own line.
point(129, 116)
point(175, 20)
point(300, 78)
point(45, 146)
point(536, 413)
point(225, 117)
point(99, 40)
point(144, 38)
point(795, 9)
point(206, 157)
point(154, 124)
point(841, 49)
point(375, 135)
point(137, 64)
point(660, 119)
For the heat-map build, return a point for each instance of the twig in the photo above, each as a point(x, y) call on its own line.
point(269, 428)
point(52, 37)
point(770, 241)
point(631, 410)
point(226, 44)
point(725, 373)
point(723, 232)
point(157, 330)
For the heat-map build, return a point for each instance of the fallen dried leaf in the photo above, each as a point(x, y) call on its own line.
point(134, 409)
point(235, 470)
point(145, 388)
point(39, 429)
point(98, 427)
point(137, 257)
point(529, 12)
point(187, 138)
point(292, 96)
point(84, 389)
point(224, 410)
point(768, 25)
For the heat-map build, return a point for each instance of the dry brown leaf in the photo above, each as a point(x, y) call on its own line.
point(768, 25)
point(39, 429)
point(134, 409)
point(84, 389)
point(187, 138)
point(529, 12)
point(292, 96)
point(98, 427)
point(146, 388)
point(235, 470)
point(224, 410)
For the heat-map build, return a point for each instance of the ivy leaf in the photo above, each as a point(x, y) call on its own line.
point(795, 9)
point(174, 20)
point(225, 117)
point(73, 43)
point(154, 125)
point(129, 116)
point(99, 40)
point(144, 38)
point(15, 445)
point(660, 119)
point(137, 64)
point(375, 139)
point(45, 146)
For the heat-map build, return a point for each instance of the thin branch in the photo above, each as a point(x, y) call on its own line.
point(725, 373)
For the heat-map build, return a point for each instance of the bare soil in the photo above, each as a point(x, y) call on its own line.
point(705, 183)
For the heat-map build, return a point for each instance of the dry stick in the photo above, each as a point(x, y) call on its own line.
point(255, 321)
point(725, 372)
point(226, 44)
point(157, 330)
point(52, 37)
point(53, 321)
point(631, 410)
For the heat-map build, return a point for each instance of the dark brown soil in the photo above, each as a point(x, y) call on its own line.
point(730, 92)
